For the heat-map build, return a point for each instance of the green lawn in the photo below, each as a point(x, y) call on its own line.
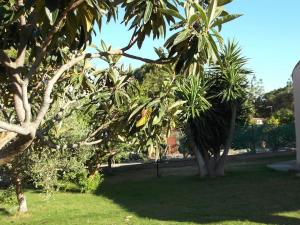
point(249, 194)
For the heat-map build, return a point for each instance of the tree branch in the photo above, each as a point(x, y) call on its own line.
point(146, 60)
point(76, 4)
point(25, 101)
point(90, 143)
point(55, 28)
point(17, 95)
point(52, 145)
point(47, 96)
point(20, 60)
point(14, 128)
point(102, 127)
point(5, 60)
point(23, 41)
point(132, 41)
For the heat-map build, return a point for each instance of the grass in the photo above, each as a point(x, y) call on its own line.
point(249, 194)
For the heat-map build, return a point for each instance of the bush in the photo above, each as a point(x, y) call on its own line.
point(285, 116)
point(8, 196)
point(184, 146)
point(269, 136)
point(89, 183)
point(273, 121)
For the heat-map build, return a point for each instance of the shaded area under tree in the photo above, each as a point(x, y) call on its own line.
point(250, 192)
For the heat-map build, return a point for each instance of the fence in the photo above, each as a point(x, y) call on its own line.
point(264, 137)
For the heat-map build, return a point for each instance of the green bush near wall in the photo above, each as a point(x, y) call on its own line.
point(264, 137)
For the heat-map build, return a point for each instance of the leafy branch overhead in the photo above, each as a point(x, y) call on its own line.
point(197, 41)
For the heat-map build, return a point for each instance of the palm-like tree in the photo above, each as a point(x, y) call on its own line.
point(233, 81)
point(211, 129)
point(193, 90)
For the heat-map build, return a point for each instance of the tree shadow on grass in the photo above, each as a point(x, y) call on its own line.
point(256, 196)
point(4, 212)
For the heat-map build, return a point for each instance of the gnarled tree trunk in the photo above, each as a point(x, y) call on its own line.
point(208, 165)
point(19, 192)
point(16, 147)
point(6, 137)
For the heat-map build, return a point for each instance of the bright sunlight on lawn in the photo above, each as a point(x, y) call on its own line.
point(249, 194)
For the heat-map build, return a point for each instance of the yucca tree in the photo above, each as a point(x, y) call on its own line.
point(193, 91)
point(233, 81)
point(211, 129)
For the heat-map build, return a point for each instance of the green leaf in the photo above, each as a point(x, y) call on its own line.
point(137, 110)
point(172, 12)
point(225, 19)
point(183, 35)
point(202, 13)
point(211, 11)
point(148, 11)
point(103, 45)
point(176, 104)
point(223, 2)
point(52, 16)
point(214, 47)
point(154, 102)
point(218, 36)
point(156, 120)
point(193, 18)
point(201, 43)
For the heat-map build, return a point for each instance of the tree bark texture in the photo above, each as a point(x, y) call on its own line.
point(212, 165)
point(199, 158)
point(19, 193)
point(17, 146)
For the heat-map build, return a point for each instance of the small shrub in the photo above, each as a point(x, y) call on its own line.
point(273, 121)
point(8, 196)
point(89, 183)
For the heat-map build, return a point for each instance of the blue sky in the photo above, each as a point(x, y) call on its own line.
point(268, 32)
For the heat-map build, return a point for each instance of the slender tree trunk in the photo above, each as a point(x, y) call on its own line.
point(199, 159)
point(200, 162)
point(220, 167)
point(109, 163)
point(19, 192)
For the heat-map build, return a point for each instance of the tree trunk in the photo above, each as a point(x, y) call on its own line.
point(11, 150)
point(19, 193)
point(200, 162)
point(6, 137)
point(109, 163)
point(199, 159)
point(94, 163)
point(220, 166)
